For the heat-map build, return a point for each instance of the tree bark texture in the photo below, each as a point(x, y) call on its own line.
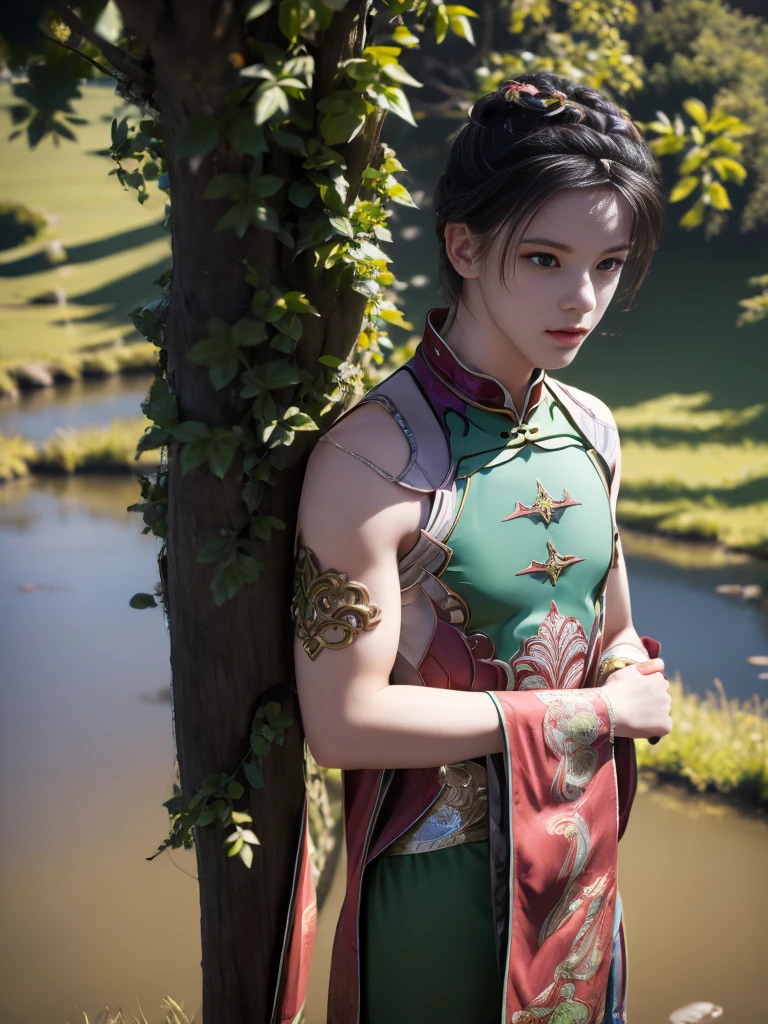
point(223, 658)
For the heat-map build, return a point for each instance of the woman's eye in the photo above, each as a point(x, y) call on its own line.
point(548, 256)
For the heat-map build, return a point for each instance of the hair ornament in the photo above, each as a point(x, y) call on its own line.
point(544, 102)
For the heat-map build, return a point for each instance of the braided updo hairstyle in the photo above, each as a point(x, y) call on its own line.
point(507, 162)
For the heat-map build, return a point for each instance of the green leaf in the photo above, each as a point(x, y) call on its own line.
point(282, 722)
point(395, 316)
point(237, 217)
point(289, 19)
point(225, 585)
point(226, 185)
point(193, 454)
point(442, 22)
point(272, 709)
point(155, 437)
point(283, 343)
point(398, 73)
point(397, 102)
point(265, 217)
point(696, 110)
point(718, 196)
point(289, 141)
point(339, 129)
point(332, 361)
point(729, 170)
point(301, 195)
point(266, 185)
point(221, 451)
point(278, 373)
point(248, 138)
point(248, 332)
point(199, 135)
point(343, 226)
point(269, 102)
point(143, 601)
point(256, 10)
point(224, 369)
point(297, 302)
point(191, 430)
point(214, 549)
point(235, 791)
point(683, 188)
point(461, 27)
point(253, 774)
point(284, 235)
point(259, 744)
point(695, 216)
point(405, 37)
point(235, 847)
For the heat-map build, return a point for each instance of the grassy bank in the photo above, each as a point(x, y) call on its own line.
point(689, 471)
point(73, 286)
point(89, 450)
point(137, 357)
point(717, 745)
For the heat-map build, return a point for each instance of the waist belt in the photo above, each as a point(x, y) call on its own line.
point(458, 815)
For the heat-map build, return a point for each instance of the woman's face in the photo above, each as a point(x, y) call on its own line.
point(548, 285)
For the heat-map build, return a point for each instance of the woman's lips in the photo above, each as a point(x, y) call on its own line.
point(568, 337)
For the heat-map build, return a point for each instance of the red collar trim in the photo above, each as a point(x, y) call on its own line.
point(479, 389)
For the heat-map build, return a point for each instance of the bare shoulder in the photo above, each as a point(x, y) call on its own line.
point(371, 431)
point(346, 505)
point(592, 402)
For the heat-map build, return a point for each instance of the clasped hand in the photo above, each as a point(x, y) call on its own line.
point(640, 698)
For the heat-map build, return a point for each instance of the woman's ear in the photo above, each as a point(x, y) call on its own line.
point(460, 247)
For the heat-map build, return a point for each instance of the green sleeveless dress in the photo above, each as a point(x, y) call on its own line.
point(427, 941)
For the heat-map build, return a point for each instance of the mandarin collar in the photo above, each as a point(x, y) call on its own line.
point(479, 389)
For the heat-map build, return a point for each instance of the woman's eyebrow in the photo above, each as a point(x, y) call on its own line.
point(567, 248)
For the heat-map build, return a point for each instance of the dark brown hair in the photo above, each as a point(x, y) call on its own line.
point(506, 163)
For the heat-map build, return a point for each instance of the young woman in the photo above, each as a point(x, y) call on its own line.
point(464, 643)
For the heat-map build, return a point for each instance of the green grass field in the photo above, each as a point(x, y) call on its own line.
point(115, 247)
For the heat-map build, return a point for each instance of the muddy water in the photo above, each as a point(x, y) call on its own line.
point(86, 756)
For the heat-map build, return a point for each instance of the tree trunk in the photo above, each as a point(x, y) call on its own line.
point(223, 658)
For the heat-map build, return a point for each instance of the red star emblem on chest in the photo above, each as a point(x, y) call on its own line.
point(553, 566)
point(545, 504)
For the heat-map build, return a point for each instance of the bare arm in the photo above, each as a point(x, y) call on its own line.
point(358, 523)
point(619, 627)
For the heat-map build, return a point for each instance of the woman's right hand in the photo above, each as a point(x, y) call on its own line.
point(640, 698)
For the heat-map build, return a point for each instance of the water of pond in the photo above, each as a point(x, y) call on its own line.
point(87, 758)
point(90, 402)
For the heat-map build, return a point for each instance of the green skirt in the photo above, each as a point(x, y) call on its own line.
point(426, 935)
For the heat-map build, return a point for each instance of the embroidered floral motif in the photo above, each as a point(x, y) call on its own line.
point(555, 658)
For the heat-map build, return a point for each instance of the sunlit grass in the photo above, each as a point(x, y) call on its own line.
point(94, 449)
point(16, 452)
point(90, 449)
point(114, 247)
point(689, 467)
point(679, 413)
point(716, 743)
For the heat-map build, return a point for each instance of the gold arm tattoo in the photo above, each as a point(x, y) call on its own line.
point(327, 608)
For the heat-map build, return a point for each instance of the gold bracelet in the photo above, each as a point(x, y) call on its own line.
point(619, 656)
point(611, 716)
